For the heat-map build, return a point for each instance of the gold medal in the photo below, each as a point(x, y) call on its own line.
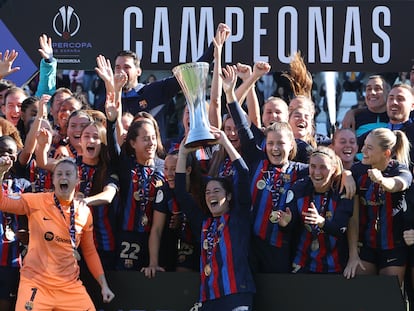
point(207, 269)
point(144, 220)
point(273, 217)
point(261, 184)
point(9, 234)
point(137, 197)
point(76, 254)
point(308, 227)
point(314, 245)
point(205, 244)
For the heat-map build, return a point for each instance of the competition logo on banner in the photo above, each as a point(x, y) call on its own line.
point(66, 23)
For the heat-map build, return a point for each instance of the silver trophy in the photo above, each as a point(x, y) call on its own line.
point(192, 78)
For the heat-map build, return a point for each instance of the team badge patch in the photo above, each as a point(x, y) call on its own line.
point(160, 196)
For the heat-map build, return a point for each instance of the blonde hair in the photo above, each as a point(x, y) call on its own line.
point(396, 141)
point(280, 127)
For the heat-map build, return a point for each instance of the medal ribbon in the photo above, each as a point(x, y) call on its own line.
point(227, 168)
point(378, 191)
point(325, 200)
point(86, 174)
point(72, 230)
point(142, 184)
point(212, 237)
point(73, 151)
point(274, 183)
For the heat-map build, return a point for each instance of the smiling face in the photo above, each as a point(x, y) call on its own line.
point(321, 169)
point(373, 154)
point(170, 164)
point(12, 108)
point(400, 102)
point(65, 179)
point(76, 125)
point(67, 107)
point(274, 110)
point(302, 123)
point(126, 65)
point(91, 144)
point(279, 144)
point(145, 144)
point(375, 97)
point(345, 146)
point(217, 199)
point(58, 99)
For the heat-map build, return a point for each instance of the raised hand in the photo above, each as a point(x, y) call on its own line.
point(243, 71)
point(105, 72)
point(42, 112)
point(260, 69)
point(6, 63)
point(120, 79)
point(223, 31)
point(46, 50)
point(229, 78)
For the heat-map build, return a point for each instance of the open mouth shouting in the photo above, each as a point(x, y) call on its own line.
point(64, 185)
point(347, 153)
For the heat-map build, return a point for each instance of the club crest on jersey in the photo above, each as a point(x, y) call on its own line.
point(143, 104)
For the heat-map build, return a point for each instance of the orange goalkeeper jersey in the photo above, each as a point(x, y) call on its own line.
point(50, 260)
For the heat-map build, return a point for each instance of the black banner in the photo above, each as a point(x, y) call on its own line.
point(177, 291)
point(332, 35)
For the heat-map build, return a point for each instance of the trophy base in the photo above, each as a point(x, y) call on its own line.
point(200, 143)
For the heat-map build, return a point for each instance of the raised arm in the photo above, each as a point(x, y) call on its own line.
point(48, 67)
point(247, 89)
point(216, 83)
point(30, 143)
point(113, 85)
point(44, 141)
